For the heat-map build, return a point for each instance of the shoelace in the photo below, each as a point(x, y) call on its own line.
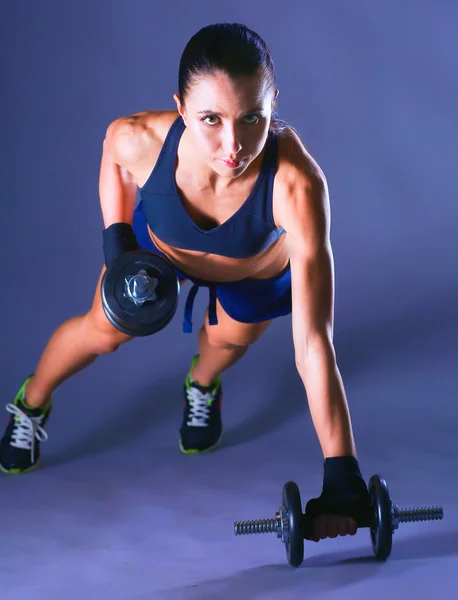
point(199, 407)
point(26, 429)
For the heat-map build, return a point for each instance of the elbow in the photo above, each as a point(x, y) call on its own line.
point(315, 354)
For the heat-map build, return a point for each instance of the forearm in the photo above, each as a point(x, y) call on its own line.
point(327, 402)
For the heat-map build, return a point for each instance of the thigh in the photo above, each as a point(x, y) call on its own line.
point(98, 318)
point(229, 332)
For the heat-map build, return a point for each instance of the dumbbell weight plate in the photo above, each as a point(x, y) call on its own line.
point(122, 312)
point(292, 502)
point(382, 527)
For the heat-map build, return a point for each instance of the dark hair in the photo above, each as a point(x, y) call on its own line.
point(231, 48)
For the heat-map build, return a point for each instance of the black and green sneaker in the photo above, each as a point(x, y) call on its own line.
point(20, 445)
point(201, 428)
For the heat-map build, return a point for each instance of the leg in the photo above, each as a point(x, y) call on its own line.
point(222, 345)
point(72, 347)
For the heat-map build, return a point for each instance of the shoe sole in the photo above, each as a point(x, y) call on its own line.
point(19, 471)
point(196, 451)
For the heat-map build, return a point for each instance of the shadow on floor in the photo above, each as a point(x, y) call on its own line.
point(356, 350)
point(321, 573)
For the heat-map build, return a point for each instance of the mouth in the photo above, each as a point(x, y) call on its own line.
point(232, 164)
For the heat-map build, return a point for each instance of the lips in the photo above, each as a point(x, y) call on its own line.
point(232, 163)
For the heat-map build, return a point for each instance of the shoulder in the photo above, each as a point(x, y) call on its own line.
point(301, 188)
point(133, 138)
point(296, 165)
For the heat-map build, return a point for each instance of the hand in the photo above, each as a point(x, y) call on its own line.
point(336, 513)
point(330, 526)
point(344, 502)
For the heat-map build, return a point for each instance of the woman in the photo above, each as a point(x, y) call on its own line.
point(231, 196)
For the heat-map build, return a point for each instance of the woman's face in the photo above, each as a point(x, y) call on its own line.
point(228, 120)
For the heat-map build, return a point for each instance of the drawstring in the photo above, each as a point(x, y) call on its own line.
point(212, 318)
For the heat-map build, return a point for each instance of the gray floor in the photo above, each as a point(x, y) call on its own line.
point(116, 512)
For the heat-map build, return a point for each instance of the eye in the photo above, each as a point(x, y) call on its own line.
point(205, 119)
point(252, 119)
point(249, 119)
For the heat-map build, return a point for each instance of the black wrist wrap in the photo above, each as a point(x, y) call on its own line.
point(118, 239)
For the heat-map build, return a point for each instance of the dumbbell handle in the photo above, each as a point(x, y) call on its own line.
point(399, 515)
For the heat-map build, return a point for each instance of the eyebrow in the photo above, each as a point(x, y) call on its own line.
point(217, 114)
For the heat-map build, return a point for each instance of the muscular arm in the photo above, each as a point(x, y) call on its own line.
point(305, 217)
point(117, 188)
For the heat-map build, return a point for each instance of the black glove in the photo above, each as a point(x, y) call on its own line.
point(118, 239)
point(344, 493)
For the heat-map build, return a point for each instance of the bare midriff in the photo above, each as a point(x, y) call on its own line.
point(212, 267)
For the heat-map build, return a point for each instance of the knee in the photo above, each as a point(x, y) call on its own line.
point(103, 337)
point(222, 344)
point(213, 339)
point(230, 339)
point(106, 345)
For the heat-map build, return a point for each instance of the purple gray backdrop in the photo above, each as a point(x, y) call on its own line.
point(115, 511)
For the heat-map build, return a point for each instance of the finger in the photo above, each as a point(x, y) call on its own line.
point(311, 533)
point(352, 527)
point(347, 526)
point(333, 525)
point(344, 526)
point(319, 527)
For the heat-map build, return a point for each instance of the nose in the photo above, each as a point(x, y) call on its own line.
point(231, 142)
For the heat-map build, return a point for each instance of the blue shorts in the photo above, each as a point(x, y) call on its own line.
point(247, 300)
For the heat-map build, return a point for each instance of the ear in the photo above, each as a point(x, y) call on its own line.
point(180, 108)
point(274, 99)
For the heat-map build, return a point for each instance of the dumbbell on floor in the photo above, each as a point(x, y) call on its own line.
point(289, 522)
point(140, 292)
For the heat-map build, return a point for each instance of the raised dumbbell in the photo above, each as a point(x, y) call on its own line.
point(290, 523)
point(140, 293)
